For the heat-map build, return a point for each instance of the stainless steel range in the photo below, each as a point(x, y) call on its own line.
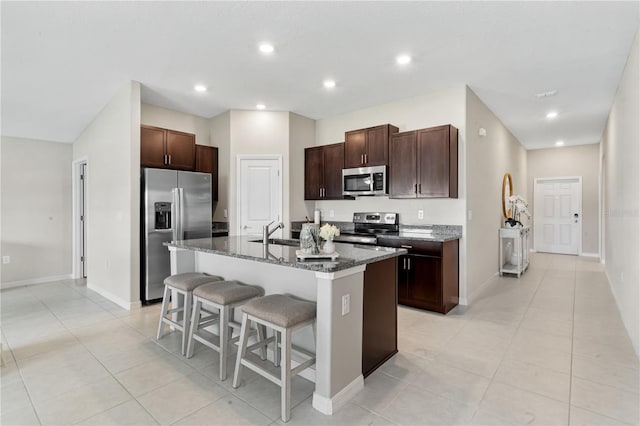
point(367, 226)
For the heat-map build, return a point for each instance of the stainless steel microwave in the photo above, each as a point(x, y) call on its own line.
point(364, 181)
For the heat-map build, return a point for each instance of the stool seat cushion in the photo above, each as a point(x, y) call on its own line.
point(281, 310)
point(190, 280)
point(226, 292)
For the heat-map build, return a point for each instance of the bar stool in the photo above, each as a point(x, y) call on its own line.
point(224, 296)
point(283, 314)
point(184, 284)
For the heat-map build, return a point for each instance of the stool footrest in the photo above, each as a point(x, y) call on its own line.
point(261, 371)
point(176, 324)
point(260, 344)
point(302, 366)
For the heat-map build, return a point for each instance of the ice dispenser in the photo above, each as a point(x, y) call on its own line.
point(163, 215)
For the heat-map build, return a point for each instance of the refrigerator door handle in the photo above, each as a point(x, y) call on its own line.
point(174, 214)
point(181, 213)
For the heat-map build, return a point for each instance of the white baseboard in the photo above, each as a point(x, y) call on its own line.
point(589, 255)
point(20, 283)
point(471, 297)
point(329, 406)
point(118, 301)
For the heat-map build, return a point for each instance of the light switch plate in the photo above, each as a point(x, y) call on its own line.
point(346, 304)
point(6, 260)
point(420, 214)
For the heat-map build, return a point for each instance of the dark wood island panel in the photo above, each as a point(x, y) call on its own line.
point(380, 314)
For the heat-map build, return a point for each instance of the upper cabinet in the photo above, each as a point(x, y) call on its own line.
point(323, 172)
point(368, 147)
point(424, 163)
point(207, 162)
point(164, 148)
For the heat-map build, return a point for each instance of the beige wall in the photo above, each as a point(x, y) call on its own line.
point(111, 146)
point(169, 119)
point(490, 157)
point(36, 210)
point(220, 131)
point(259, 133)
point(581, 161)
point(302, 134)
point(621, 182)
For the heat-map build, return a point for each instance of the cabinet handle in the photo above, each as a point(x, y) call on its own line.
point(320, 192)
point(415, 188)
point(169, 159)
point(419, 188)
point(409, 263)
point(407, 247)
point(323, 192)
point(164, 159)
point(365, 159)
point(404, 263)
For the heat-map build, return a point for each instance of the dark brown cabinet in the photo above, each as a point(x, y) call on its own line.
point(207, 162)
point(368, 147)
point(164, 148)
point(428, 275)
point(424, 163)
point(380, 314)
point(323, 172)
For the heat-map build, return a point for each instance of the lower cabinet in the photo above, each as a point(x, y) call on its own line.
point(428, 276)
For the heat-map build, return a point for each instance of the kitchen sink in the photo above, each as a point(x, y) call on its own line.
point(280, 242)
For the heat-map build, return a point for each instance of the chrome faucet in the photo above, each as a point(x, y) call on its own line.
point(266, 232)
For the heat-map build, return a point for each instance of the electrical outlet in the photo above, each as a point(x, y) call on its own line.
point(225, 213)
point(420, 214)
point(469, 215)
point(6, 260)
point(331, 213)
point(346, 304)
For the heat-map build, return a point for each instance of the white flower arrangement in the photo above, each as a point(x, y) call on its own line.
point(517, 206)
point(328, 232)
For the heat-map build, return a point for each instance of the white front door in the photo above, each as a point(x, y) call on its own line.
point(260, 194)
point(557, 214)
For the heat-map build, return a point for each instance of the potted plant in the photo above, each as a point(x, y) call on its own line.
point(328, 233)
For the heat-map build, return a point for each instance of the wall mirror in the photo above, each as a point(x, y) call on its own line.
point(507, 191)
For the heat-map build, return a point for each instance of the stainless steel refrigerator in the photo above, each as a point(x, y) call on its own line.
point(175, 205)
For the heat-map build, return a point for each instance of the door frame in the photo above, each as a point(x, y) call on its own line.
point(76, 209)
point(536, 207)
point(243, 157)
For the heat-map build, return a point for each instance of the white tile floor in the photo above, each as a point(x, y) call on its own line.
point(548, 348)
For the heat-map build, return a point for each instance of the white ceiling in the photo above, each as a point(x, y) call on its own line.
point(63, 61)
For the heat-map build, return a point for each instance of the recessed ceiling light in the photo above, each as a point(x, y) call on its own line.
point(266, 48)
point(546, 94)
point(200, 88)
point(559, 143)
point(329, 84)
point(403, 59)
point(261, 106)
point(552, 114)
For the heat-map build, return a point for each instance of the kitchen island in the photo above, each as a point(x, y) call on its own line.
point(342, 289)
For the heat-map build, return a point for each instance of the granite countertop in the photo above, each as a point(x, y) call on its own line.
point(437, 233)
point(248, 248)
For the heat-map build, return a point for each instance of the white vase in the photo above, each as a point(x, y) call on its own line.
point(329, 246)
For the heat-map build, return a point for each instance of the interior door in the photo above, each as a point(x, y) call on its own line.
point(83, 218)
point(557, 215)
point(260, 199)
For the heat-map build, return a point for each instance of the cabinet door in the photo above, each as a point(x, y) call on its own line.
point(313, 173)
point(402, 165)
point(333, 164)
point(377, 146)
point(181, 149)
point(354, 148)
point(424, 289)
point(207, 162)
point(433, 162)
point(152, 146)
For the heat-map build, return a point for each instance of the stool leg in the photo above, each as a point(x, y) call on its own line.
point(262, 335)
point(163, 312)
point(223, 325)
point(186, 320)
point(285, 376)
point(195, 320)
point(276, 348)
point(242, 349)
